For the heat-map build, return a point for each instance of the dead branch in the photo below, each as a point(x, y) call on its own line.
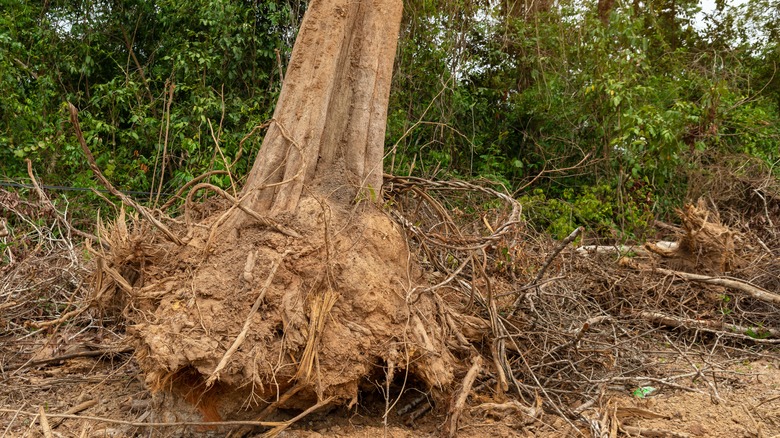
point(732, 283)
point(87, 353)
point(716, 327)
point(60, 320)
point(278, 429)
point(653, 433)
point(668, 227)
point(142, 424)
point(625, 249)
point(75, 410)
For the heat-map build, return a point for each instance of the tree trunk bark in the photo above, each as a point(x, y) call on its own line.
point(331, 115)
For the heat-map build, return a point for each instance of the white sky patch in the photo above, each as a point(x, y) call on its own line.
point(708, 8)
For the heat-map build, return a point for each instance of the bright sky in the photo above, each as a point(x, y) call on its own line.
point(709, 5)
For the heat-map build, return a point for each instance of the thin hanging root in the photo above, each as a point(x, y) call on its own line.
point(244, 331)
point(460, 401)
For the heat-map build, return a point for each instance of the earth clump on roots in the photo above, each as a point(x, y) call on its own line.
point(234, 319)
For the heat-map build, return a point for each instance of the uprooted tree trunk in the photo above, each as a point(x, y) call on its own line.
point(331, 115)
point(237, 317)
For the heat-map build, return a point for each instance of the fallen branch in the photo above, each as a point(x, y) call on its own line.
point(80, 354)
point(60, 320)
point(652, 433)
point(732, 283)
point(716, 327)
point(284, 425)
point(626, 249)
point(140, 424)
point(75, 410)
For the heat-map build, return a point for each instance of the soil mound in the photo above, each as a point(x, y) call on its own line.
point(235, 322)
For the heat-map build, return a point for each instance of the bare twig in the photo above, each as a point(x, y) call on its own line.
point(565, 242)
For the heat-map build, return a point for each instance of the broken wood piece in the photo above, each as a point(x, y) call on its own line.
point(717, 327)
point(72, 314)
point(278, 429)
point(44, 422)
point(627, 412)
point(249, 266)
point(74, 410)
point(652, 433)
point(512, 407)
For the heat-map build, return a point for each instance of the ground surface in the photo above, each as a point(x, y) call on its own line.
point(743, 401)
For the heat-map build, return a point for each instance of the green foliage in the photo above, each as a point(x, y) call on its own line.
point(627, 106)
point(155, 82)
point(594, 120)
point(597, 208)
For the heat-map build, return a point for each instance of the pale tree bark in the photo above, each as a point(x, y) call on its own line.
point(331, 115)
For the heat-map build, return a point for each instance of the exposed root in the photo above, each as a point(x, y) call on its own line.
point(241, 336)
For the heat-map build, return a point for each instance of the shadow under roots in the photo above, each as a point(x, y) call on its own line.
point(410, 404)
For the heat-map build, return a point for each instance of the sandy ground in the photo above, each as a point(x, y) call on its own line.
point(742, 400)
